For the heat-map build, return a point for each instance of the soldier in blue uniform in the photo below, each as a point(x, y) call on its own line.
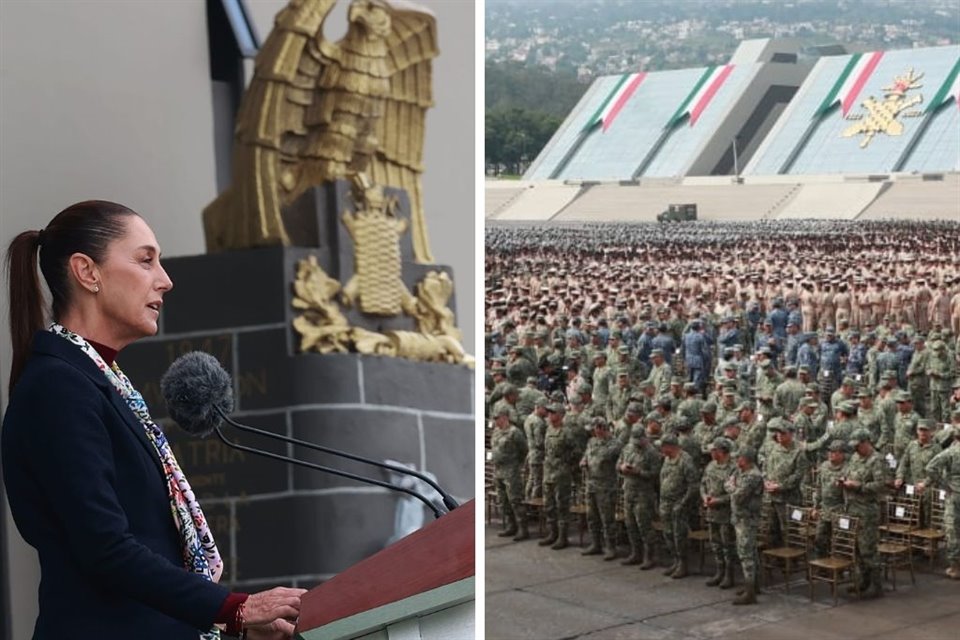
point(696, 355)
point(833, 357)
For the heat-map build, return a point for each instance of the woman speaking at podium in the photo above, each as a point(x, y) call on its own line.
point(125, 551)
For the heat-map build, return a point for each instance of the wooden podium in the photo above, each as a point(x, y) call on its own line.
point(423, 583)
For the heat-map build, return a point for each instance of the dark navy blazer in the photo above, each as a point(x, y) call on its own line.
point(86, 489)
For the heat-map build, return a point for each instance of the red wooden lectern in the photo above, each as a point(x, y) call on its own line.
point(429, 571)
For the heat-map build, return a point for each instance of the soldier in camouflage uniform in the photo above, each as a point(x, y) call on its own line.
point(828, 494)
point(787, 396)
point(870, 416)
point(619, 396)
point(509, 450)
point(943, 472)
point(600, 461)
point(913, 466)
point(918, 384)
point(660, 373)
point(706, 431)
point(527, 398)
point(602, 381)
point(784, 469)
point(716, 502)
point(679, 486)
point(745, 487)
point(535, 427)
point(863, 487)
point(690, 405)
point(624, 427)
point(639, 464)
point(844, 424)
point(559, 447)
point(940, 371)
point(904, 424)
point(508, 402)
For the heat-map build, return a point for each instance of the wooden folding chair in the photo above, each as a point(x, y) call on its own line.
point(839, 567)
point(796, 549)
point(903, 518)
point(699, 537)
point(927, 540)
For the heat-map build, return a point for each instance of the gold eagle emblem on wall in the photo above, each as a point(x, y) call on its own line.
point(316, 111)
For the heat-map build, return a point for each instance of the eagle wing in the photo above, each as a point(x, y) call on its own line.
point(398, 162)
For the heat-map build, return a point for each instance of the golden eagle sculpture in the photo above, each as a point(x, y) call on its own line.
point(317, 111)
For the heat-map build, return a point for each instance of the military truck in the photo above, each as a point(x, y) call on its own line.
point(678, 213)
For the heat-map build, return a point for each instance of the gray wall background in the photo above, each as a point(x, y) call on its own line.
point(112, 100)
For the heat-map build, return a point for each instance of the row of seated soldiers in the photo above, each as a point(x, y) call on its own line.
point(661, 463)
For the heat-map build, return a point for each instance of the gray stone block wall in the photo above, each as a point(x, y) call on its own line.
point(276, 524)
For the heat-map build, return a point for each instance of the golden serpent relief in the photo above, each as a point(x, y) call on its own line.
point(316, 111)
point(378, 288)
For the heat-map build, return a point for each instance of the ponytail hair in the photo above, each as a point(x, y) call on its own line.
point(86, 227)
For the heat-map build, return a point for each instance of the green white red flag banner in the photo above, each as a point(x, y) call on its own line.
point(702, 93)
point(625, 87)
point(949, 89)
point(850, 83)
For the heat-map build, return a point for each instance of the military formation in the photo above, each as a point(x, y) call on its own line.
point(710, 376)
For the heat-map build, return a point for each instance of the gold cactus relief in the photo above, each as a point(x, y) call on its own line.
point(881, 115)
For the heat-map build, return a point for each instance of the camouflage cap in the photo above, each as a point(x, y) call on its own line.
point(764, 394)
point(585, 387)
point(635, 408)
point(724, 444)
point(861, 435)
point(709, 407)
point(531, 379)
point(575, 401)
point(808, 402)
point(848, 407)
point(682, 423)
point(803, 369)
point(730, 421)
point(653, 416)
point(638, 432)
point(730, 366)
point(926, 424)
point(556, 407)
point(743, 406)
point(623, 349)
point(903, 396)
point(889, 374)
point(502, 410)
point(669, 440)
point(848, 381)
point(645, 384)
point(508, 389)
point(657, 352)
point(623, 372)
point(598, 423)
point(779, 424)
point(747, 452)
point(837, 445)
point(864, 393)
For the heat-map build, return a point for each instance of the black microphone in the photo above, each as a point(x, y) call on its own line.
point(199, 394)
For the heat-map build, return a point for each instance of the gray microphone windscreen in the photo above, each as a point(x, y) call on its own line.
point(192, 387)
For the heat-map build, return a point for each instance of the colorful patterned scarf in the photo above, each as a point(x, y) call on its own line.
point(199, 549)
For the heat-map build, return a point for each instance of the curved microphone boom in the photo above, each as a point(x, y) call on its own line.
point(199, 395)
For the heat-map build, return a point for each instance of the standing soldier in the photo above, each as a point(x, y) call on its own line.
point(696, 355)
point(559, 445)
point(509, 449)
point(660, 373)
point(833, 357)
point(870, 416)
point(940, 372)
point(716, 502)
point(943, 472)
point(828, 494)
point(787, 396)
point(918, 383)
point(600, 461)
point(904, 424)
point(913, 467)
point(785, 469)
point(601, 381)
point(639, 464)
point(679, 485)
point(619, 396)
point(535, 428)
point(527, 398)
point(745, 487)
point(863, 487)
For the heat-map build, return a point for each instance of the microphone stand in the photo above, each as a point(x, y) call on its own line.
point(448, 500)
point(317, 467)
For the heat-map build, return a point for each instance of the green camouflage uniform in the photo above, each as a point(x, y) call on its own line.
point(617, 402)
point(940, 371)
point(873, 473)
point(913, 469)
point(917, 382)
point(560, 450)
point(534, 427)
point(600, 459)
point(509, 448)
point(905, 431)
point(526, 400)
point(660, 379)
point(640, 489)
point(943, 471)
point(786, 466)
point(787, 396)
point(679, 484)
point(723, 541)
point(872, 420)
point(746, 499)
point(514, 415)
point(828, 500)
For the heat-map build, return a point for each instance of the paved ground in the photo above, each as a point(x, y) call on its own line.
point(534, 592)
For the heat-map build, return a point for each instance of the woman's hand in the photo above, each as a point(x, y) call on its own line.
point(267, 615)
